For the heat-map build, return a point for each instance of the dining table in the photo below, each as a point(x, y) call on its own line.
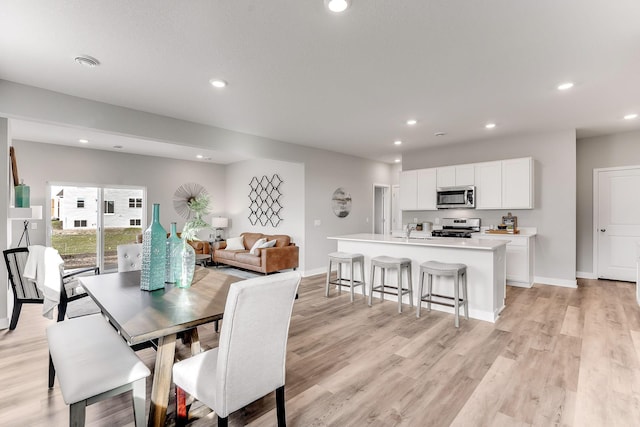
point(141, 316)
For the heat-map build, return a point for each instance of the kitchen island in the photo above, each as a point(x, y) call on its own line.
point(485, 260)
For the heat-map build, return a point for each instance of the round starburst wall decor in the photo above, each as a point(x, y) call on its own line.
point(184, 195)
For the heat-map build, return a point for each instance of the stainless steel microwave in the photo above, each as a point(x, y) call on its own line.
point(462, 197)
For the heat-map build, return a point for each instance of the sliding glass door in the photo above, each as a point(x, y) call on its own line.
point(88, 223)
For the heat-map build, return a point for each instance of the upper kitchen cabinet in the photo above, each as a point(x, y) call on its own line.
point(418, 190)
point(452, 176)
point(426, 189)
point(488, 179)
point(517, 183)
point(409, 190)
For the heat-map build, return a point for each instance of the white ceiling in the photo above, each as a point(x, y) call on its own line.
point(347, 83)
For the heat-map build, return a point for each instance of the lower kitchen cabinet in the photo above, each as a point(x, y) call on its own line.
point(520, 258)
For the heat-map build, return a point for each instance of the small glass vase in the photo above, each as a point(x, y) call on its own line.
point(154, 254)
point(174, 244)
point(185, 262)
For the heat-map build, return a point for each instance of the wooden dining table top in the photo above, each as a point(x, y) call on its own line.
point(144, 315)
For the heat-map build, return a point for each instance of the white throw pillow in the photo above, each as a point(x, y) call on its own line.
point(235, 244)
point(255, 249)
point(269, 244)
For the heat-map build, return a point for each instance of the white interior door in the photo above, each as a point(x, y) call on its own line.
point(618, 223)
point(396, 212)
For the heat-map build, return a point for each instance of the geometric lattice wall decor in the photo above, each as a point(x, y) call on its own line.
point(264, 200)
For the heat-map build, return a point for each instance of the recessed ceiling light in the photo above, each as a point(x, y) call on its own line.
point(397, 142)
point(337, 6)
point(440, 134)
point(490, 125)
point(199, 156)
point(87, 61)
point(631, 116)
point(412, 122)
point(83, 141)
point(217, 83)
point(565, 86)
point(397, 160)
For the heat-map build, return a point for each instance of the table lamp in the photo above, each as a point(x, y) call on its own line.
point(219, 223)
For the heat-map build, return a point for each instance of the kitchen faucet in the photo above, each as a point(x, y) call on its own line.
point(409, 228)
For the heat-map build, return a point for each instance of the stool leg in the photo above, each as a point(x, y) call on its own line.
point(420, 287)
point(339, 279)
point(382, 282)
point(399, 289)
point(456, 299)
point(464, 295)
point(326, 291)
point(429, 290)
point(373, 271)
point(364, 294)
point(351, 271)
point(410, 286)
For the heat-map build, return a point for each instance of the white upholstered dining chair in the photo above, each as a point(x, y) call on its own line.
point(249, 362)
point(129, 257)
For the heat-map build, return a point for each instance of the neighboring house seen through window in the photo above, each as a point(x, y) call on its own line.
point(80, 223)
point(80, 203)
point(109, 207)
point(135, 203)
point(134, 222)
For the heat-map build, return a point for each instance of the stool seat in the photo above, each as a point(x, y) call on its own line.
point(384, 263)
point(350, 259)
point(436, 268)
point(443, 267)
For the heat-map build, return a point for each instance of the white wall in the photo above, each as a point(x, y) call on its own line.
point(41, 163)
point(5, 229)
point(239, 176)
point(621, 149)
point(554, 214)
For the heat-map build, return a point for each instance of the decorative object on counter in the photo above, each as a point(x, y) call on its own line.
point(185, 260)
point(341, 202)
point(22, 195)
point(219, 223)
point(174, 244)
point(154, 254)
point(184, 196)
point(511, 222)
point(264, 197)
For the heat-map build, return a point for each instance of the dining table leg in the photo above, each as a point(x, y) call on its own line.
point(195, 341)
point(162, 380)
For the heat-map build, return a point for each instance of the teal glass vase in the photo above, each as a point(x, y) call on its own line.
point(154, 254)
point(185, 261)
point(174, 245)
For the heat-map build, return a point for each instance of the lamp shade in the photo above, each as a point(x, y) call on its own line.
point(219, 222)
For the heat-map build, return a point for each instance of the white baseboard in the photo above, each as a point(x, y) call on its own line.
point(4, 323)
point(585, 275)
point(313, 272)
point(519, 284)
point(556, 282)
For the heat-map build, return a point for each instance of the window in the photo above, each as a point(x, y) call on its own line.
point(135, 203)
point(109, 207)
point(134, 222)
point(80, 203)
point(80, 223)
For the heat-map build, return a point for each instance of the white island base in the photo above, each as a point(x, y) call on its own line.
point(485, 260)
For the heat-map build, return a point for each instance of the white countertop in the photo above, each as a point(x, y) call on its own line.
point(443, 242)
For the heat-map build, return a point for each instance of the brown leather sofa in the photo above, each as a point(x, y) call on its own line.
point(200, 246)
point(282, 256)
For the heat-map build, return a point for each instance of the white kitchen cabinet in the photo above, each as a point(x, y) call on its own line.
point(426, 189)
point(408, 190)
point(451, 176)
point(488, 181)
point(517, 183)
point(520, 258)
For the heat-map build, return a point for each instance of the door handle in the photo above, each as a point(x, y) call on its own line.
point(603, 229)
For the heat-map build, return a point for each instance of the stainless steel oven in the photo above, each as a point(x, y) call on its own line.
point(462, 197)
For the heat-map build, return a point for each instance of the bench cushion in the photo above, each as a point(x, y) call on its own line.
point(91, 358)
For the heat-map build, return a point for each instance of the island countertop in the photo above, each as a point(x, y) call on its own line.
point(442, 242)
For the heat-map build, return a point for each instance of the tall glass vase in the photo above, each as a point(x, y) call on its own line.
point(173, 246)
point(185, 260)
point(154, 254)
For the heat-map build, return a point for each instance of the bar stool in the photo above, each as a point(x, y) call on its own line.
point(387, 262)
point(459, 274)
point(345, 258)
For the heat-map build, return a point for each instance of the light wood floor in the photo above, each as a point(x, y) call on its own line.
point(557, 356)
